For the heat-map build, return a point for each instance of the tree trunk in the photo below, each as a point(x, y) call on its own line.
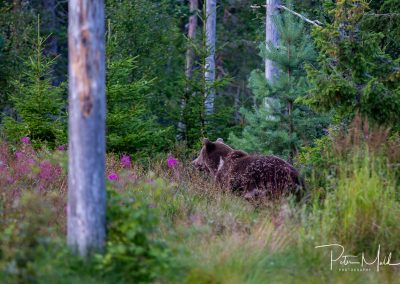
point(194, 6)
point(86, 163)
point(50, 20)
point(236, 102)
point(271, 36)
point(211, 15)
point(192, 27)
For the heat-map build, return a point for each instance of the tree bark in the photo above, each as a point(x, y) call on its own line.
point(194, 6)
point(50, 23)
point(192, 27)
point(86, 163)
point(211, 15)
point(271, 37)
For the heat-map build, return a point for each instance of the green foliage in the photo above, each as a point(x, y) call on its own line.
point(279, 124)
point(16, 33)
point(361, 212)
point(384, 18)
point(133, 251)
point(197, 123)
point(148, 31)
point(131, 127)
point(38, 106)
point(354, 73)
point(21, 242)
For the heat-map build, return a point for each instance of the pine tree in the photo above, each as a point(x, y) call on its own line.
point(38, 106)
point(279, 124)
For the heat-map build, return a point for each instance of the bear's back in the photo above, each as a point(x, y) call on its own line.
point(269, 174)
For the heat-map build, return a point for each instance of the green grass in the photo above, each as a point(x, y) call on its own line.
point(212, 236)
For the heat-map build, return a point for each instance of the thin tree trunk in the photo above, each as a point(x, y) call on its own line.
point(86, 163)
point(211, 15)
point(50, 20)
point(192, 27)
point(194, 6)
point(236, 102)
point(50, 27)
point(271, 37)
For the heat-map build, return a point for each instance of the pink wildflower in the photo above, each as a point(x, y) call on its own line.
point(126, 161)
point(171, 161)
point(10, 179)
point(26, 140)
point(61, 148)
point(19, 154)
point(49, 171)
point(113, 177)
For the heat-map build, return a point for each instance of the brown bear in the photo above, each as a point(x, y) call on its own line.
point(252, 176)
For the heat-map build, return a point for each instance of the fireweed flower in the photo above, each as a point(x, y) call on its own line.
point(61, 148)
point(113, 177)
point(171, 161)
point(48, 171)
point(19, 154)
point(126, 161)
point(26, 140)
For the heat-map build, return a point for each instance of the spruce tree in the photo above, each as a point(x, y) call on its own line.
point(354, 74)
point(38, 107)
point(131, 127)
point(278, 124)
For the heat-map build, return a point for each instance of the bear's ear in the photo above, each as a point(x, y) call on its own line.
point(238, 154)
point(209, 145)
point(220, 140)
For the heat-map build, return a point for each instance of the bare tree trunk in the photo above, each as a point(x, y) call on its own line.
point(50, 21)
point(211, 15)
point(236, 102)
point(271, 36)
point(194, 6)
point(86, 163)
point(192, 27)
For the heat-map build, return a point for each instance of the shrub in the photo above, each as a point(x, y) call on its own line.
point(133, 251)
point(24, 234)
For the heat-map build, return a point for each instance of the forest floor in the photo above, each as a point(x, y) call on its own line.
point(207, 236)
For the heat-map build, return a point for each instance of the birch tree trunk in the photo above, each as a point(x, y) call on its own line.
point(86, 163)
point(192, 27)
point(271, 36)
point(211, 15)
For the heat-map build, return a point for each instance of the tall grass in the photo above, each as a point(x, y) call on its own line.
point(363, 211)
point(211, 236)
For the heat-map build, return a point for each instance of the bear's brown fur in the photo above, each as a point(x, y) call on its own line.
point(252, 176)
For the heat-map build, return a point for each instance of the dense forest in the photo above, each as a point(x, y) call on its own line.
point(315, 83)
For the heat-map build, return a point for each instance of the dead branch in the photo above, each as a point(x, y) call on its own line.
point(315, 22)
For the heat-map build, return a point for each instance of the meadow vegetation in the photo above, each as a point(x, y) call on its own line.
point(169, 223)
point(332, 111)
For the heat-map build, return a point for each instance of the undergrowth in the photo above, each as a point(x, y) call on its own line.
point(170, 224)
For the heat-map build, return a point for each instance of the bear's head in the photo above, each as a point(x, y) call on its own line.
point(212, 155)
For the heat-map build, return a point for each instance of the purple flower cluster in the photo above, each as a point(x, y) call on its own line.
point(62, 148)
point(26, 140)
point(172, 162)
point(126, 161)
point(48, 174)
point(113, 177)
